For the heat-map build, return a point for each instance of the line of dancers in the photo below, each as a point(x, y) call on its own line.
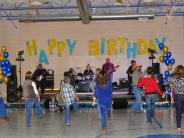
point(103, 94)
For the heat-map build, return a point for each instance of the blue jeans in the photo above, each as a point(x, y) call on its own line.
point(3, 112)
point(137, 103)
point(98, 109)
point(150, 109)
point(28, 105)
point(105, 110)
point(67, 112)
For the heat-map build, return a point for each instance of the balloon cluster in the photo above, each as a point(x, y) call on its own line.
point(5, 66)
point(169, 62)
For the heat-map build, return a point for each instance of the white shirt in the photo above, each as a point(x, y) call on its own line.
point(35, 88)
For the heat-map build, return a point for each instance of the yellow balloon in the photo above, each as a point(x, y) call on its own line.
point(5, 79)
point(3, 49)
point(1, 58)
point(165, 50)
point(0, 72)
point(1, 78)
point(169, 67)
point(170, 85)
point(161, 59)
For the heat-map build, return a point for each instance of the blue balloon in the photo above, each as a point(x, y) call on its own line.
point(172, 61)
point(168, 55)
point(164, 58)
point(163, 80)
point(6, 54)
point(2, 63)
point(169, 90)
point(167, 62)
point(8, 70)
point(161, 45)
point(4, 72)
point(167, 73)
point(3, 68)
point(7, 62)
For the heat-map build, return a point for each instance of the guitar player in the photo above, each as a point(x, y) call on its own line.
point(109, 68)
point(41, 73)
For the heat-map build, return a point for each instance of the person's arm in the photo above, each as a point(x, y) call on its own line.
point(71, 89)
point(36, 90)
point(157, 88)
point(129, 71)
point(140, 82)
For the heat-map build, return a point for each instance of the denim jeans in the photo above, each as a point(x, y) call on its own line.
point(98, 109)
point(105, 110)
point(3, 112)
point(67, 112)
point(150, 109)
point(179, 103)
point(28, 105)
point(137, 103)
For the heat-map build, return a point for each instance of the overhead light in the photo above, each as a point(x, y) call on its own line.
point(32, 19)
point(35, 4)
point(121, 17)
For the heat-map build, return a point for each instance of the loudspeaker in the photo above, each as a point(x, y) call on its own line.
point(49, 80)
point(156, 68)
point(120, 103)
point(123, 83)
point(12, 86)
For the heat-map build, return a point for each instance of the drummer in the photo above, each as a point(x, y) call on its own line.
point(88, 72)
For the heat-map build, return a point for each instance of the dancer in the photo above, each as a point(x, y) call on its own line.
point(129, 73)
point(137, 73)
point(104, 95)
point(31, 97)
point(177, 79)
point(150, 89)
point(69, 98)
point(3, 112)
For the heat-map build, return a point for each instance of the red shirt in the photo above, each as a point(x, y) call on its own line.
point(150, 85)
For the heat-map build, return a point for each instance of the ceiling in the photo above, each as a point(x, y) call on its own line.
point(14, 9)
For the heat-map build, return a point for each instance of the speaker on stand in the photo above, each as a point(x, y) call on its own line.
point(12, 86)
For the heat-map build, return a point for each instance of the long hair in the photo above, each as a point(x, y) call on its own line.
point(179, 71)
point(102, 78)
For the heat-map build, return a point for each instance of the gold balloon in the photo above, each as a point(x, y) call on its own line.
point(165, 50)
point(1, 78)
point(1, 58)
point(161, 59)
point(0, 72)
point(169, 67)
point(3, 49)
point(170, 85)
point(5, 79)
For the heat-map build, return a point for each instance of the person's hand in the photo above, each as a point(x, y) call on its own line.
point(163, 95)
point(93, 104)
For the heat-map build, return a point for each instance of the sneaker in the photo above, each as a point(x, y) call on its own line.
point(41, 116)
point(68, 124)
point(179, 130)
point(28, 125)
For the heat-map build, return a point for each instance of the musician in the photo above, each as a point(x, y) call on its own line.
point(42, 73)
point(88, 71)
point(109, 68)
point(129, 73)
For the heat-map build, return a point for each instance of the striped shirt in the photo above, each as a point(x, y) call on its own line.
point(67, 93)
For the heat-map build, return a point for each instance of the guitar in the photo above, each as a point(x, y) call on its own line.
point(46, 72)
point(111, 70)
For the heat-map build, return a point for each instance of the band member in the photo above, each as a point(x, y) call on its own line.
point(88, 72)
point(40, 72)
point(109, 68)
point(129, 73)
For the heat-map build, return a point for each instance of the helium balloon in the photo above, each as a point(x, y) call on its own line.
point(2, 63)
point(6, 54)
point(165, 50)
point(3, 49)
point(5, 79)
point(169, 90)
point(7, 62)
point(172, 61)
point(4, 72)
point(161, 59)
point(168, 54)
point(1, 77)
point(1, 57)
point(164, 58)
point(0, 71)
point(161, 45)
point(169, 67)
point(8, 70)
point(170, 85)
point(163, 80)
point(166, 73)
point(167, 62)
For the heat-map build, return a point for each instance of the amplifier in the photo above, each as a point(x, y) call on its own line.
point(123, 83)
point(49, 80)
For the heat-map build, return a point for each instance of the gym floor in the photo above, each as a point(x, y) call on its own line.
point(123, 124)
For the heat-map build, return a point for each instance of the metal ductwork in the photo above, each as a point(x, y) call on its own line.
point(121, 17)
point(84, 11)
point(29, 19)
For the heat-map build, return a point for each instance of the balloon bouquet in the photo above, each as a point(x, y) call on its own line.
point(169, 62)
point(5, 66)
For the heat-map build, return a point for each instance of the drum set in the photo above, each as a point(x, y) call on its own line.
point(81, 82)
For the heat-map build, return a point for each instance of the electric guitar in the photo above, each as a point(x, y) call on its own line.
point(111, 70)
point(43, 75)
